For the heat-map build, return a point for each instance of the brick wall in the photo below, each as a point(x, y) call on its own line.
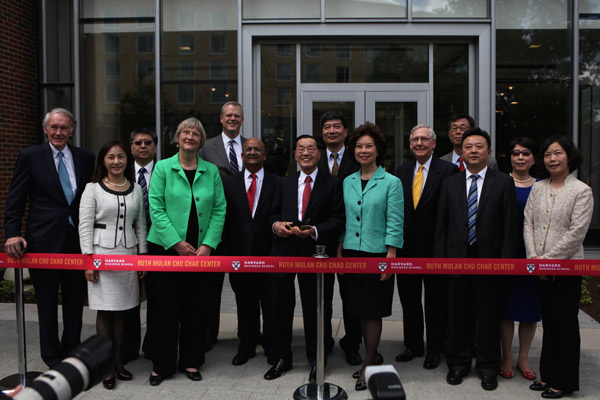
point(19, 92)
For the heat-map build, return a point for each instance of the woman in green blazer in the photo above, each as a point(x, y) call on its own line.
point(187, 208)
point(374, 228)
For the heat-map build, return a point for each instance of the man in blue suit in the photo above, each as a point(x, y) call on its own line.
point(52, 175)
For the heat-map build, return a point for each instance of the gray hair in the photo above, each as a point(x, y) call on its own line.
point(60, 111)
point(420, 126)
point(145, 131)
point(232, 103)
point(187, 124)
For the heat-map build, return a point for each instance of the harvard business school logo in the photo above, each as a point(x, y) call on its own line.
point(235, 265)
point(97, 262)
point(530, 268)
point(382, 266)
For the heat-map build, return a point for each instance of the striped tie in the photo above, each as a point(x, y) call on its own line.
point(233, 158)
point(472, 210)
point(142, 182)
point(65, 182)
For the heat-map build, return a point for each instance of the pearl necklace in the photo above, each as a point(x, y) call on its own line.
point(521, 181)
point(117, 185)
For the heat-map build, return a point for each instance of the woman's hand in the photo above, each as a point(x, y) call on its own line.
point(91, 275)
point(184, 249)
point(391, 253)
point(385, 277)
point(204, 250)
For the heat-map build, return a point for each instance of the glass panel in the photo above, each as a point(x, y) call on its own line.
point(450, 88)
point(365, 9)
point(118, 8)
point(395, 120)
point(360, 63)
point(589, 7)
point(277, 9)
point(320, 108)
point(545, 14)
point(450, 9)
point(278, 106)
point(199, 63)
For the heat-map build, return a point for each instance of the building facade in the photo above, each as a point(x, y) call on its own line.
point(520, 67)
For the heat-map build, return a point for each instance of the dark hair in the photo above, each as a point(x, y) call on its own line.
point(372, 130)
point(319, 145)
point(331, 115)
point(456, 117)
point(573, 154)
point(146, 131)
point(528, 144)
point(101, 172)
point(477, 132)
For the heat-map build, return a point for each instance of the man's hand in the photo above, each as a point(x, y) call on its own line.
point(15, 246)
point(282, 229)
point(303, 233)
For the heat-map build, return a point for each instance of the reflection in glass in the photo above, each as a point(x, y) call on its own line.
point(395, 120)
point(277, 9)
point(450, 9)
point(117, 8)
point(365, 9)
point(319, 108)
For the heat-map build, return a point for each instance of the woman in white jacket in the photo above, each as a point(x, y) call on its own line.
point(112, 221)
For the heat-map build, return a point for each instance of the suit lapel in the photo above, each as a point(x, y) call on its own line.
point(264, 192)
point(221, 152)
point(242, 195)
point(49, 165)
point(408, 177)
point(77, 166)
point(433, 175)
point(318, 189)
point(488, 184)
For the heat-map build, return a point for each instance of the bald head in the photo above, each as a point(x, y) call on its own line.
point(253, 154)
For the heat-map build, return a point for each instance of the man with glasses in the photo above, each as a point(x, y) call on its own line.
point(52, 176)
point(458, 125)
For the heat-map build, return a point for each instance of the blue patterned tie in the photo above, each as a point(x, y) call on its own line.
point(472, 210)
point(233, 158)
point(142, 182)
point(65, 182)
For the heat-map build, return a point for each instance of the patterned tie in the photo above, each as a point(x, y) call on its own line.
point(461, 164)
point(306, 194)
point(417, 186)
point(142, 182)
point(251, 193)
point(233, 158)
point(65, 182)
point(472, 210)
point(336, 167)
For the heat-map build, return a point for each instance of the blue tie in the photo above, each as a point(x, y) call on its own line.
point(472, 210)
point(65, 182)
point(142, 182)
point(233, 158)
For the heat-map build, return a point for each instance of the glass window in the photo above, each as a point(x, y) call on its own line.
point(145, 44)
point(283, 96)
point(186, 70)
point(218, 43)
point(129, 8)
point(218, 70)
point(187, 20)
point(112, 44)
point(112, 93)
point(185, 94)
point(187, 44)
point(145, 69)
point(277, 9)
point(451, 8)
point(283, 49)
point(365, 9)
point(284, 72)
point(313, 73)
point(313, 50)
point(112, 69)
point(342, 74)
point(219, 93)
point(343, 51)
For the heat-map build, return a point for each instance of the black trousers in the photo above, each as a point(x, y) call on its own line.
point(213, 304)
point(353, 332)
point(559, 361)
point(73, 291)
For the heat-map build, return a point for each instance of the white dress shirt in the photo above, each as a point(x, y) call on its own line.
point(301, 185)
point(148, 172)
point(237, 147)
point(69, 164)
point(340, 154)
point(479, 182)
point(260, 176)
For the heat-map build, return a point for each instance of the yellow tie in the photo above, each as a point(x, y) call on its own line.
point(417, 185)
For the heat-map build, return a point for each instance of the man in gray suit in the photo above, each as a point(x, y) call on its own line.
point(459, 124)
point(225, 151)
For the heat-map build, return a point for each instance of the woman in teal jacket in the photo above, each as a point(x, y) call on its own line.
point(374, 225)
point(187, 209)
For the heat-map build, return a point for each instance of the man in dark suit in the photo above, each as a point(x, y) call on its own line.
point(308, 210)
point(341, 163)
point(459, 124)
point(478, 217)
point(421, 180)
point(225, 151)
point(52, 175)
point(247, 232)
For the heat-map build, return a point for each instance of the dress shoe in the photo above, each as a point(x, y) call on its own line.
point(353, 357)
point(360, 385)
point(507, 373)
point(529, 375)
point(276, 370)
point(155, 380)
point(550, 393)
point(378, 359)
point(122, 374)
point(432, 361)
point(407, 355)
point(312, 376)
point(489, 382)
point(538, 386)
point(109, 383)
point(454, 377)
point(242, 358)
point(356, 374)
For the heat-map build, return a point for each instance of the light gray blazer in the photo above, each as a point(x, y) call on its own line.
point(556, 221)
point(491, 162)
point(108, 218)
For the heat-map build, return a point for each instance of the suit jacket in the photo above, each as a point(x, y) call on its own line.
point(214, 152)
point(374, 216)
point(170, 200)
point(419, 223)
point(107, 220)
point(35, 177)
point(491, 163)
point(325, 210)
point(348, 165)
point(497, 223)
point(556, 221)
point(243, 234)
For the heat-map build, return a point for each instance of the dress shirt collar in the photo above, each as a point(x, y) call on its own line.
point(66, 152)
point(303, 176)
point(340, 154)
point(426, 166)
point(227, 139)
point(148, 167)
point(480, 173)
point(260, 175)
point(455, 157)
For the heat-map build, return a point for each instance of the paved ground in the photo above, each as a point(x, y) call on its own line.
point(221, 380)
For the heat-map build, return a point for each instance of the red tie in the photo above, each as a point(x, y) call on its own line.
point(251, 192)
point(461, 165)
point(306, 194)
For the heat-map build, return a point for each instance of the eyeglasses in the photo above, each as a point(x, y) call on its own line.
point(461, 128)
point(54, 128)
point(147, 142)
point(422, 139)
point(517, 153)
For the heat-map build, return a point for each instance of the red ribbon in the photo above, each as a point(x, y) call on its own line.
point(467, 266)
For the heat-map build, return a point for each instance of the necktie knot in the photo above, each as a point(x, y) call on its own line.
point(142, 171)
point(308, 179)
